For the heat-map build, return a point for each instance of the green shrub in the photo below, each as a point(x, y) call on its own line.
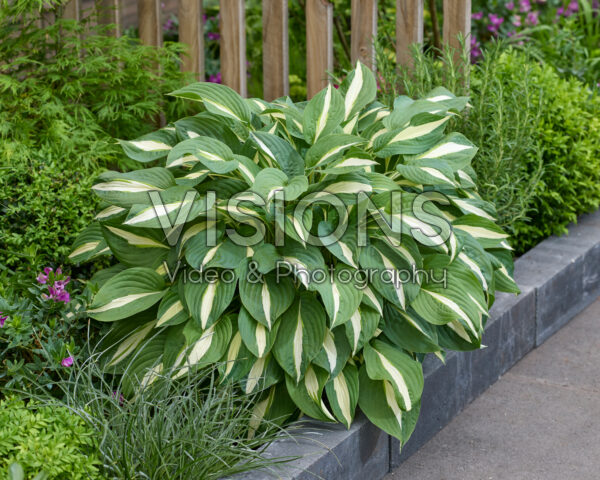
point(65, 90)
point(539, 135)
point(48, 439)
point(292, 337)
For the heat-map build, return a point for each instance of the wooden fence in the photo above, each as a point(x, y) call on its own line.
point(319, 35)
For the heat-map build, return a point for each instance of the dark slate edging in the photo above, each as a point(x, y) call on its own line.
point(558, 278)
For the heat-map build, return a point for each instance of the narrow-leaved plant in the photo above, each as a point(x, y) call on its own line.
point(317, 250)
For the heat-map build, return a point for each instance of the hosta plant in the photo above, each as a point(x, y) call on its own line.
point(316, 250)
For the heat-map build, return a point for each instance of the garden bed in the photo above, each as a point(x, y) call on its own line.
point(558, 278)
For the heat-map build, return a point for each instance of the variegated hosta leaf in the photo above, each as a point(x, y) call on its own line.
point(206, 124)
point(362, 325)
point(270, 180)
point(323, 114)
point(131, 188)
point(486, 232)
point(330, 148)
point(360, 89)
point(454, 149)
point(279, 153)
point(126, 294)
point(307, 394)
point(150, 147)
point(263, 373)
point(335, 351)
point(378, 400)
point(342, 393)
point(171, 310)
point(266, 297)
point(203, 346)
point(256, 336)
point(210, 152)
point(354, 160)
point(345, 247)
point(90, 243)
point(302, 262)
point(218, 99)
point(405, 375)
point(224, 254)
point(503, 274)
point(453, 296)
point(409, 331)
point(300, 336)
point(136, 247)
point(340, 295)
point(207, 299)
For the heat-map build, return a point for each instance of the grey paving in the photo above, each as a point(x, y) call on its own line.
point(540, 421)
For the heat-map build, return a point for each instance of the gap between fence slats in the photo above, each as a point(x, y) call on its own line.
point(457, 20)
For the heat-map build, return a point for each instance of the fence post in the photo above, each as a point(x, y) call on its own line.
point(276, 60)
point(319, 44)
point(364, 30)
point(409, 29)
point(191, 32)
point(109, 11)
point(233, 45)
point(457, 20)
point(149, 22)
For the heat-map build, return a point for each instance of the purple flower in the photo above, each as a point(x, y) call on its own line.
point(42, 279)
point(2, 320)
point(525, 5)
point(120, 396)
point(215, 78)
point(516, 21)
point(213, 35)
point(477, 16)
point(510, 6)
point(67, 361)
point(475, 49)
point(532, 18)
point(573, 7)
point(495, 22)
point(57, 290)
point(559, 12)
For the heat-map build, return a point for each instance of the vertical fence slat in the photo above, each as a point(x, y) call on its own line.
point(233, 45)
point(109, 12)
point(319, 44)
point(276, 63)
point(72, 10)
point(191, 32)
point(457, 20)
point(409, 29)
point(149, 22)
point(364, 29)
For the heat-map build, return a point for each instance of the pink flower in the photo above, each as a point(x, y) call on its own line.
point(213, 35)
point(67, 361)
point(2, 320)
point(516, 21)
point(510, 6)
point(525, 5)
point(57, 290)
point(120, 396)
point(495, 22)
point(532, 18)
point(477, 16)
point(475, 49)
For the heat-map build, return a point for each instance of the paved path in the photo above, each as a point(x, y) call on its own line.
point(540, 421)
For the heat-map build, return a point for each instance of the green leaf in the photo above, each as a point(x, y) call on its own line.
point(269, 180)
point(171, 310)
point(342, 393)
point(330, 148)
point(126, 294)
point(360, 90)
point(207, 300)
point(407, 330)
point(89, 244)
point(307, 393)
point(385, 362)
point(210, 152)
point(136, 247)
point(340, 295)
point(300, 335)
point(280, 153)
point(257, 338)
point(128, 189)
point(218, 99)
point(335, 351)
point(362, 326)
point(323, 114)
point(150, 147)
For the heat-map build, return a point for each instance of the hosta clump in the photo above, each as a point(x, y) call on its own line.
point(318, 250)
